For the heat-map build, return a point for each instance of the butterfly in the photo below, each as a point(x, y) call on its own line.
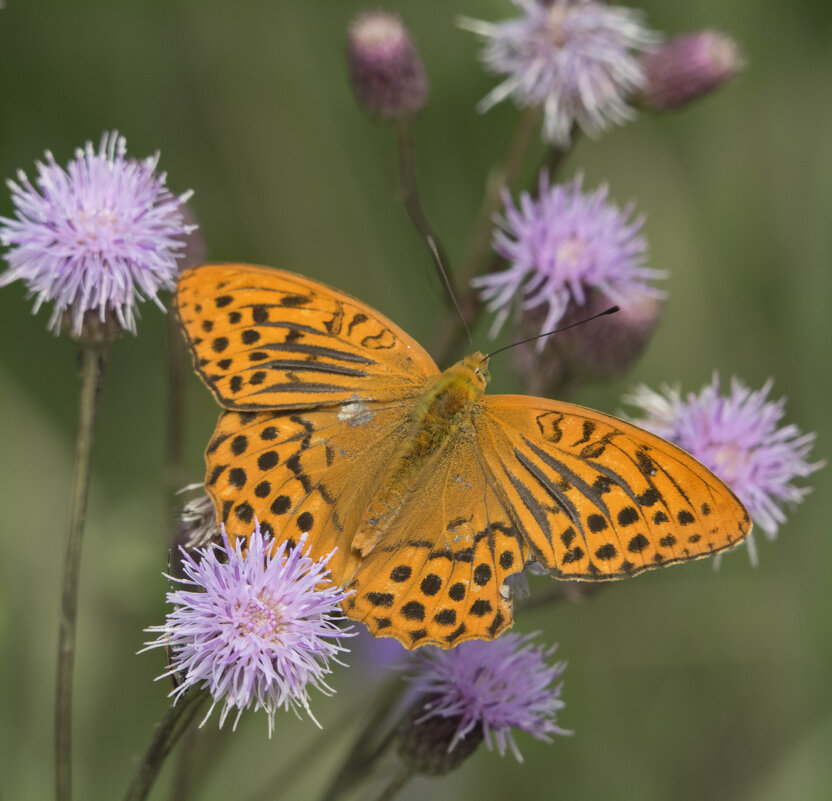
point(339, 428)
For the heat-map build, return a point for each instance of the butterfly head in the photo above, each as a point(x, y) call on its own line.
point(474, 369)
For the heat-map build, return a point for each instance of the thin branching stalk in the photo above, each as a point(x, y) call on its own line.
point(175, 722)
point(309, 756)
point(481, 257)
point(178, 369)
point(370, 744)
point(449, 336)
point(93, 361)
point(408, 179)
point(400, 778)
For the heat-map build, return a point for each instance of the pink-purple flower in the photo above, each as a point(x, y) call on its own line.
point(258, 629)
point(560, 246)
point(386, 72)
point(574, 58)
point(739, 437)
point(491, 689)
point(688, 67)
point(95, 237)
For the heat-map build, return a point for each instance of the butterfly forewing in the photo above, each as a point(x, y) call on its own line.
point(598, 498)
point(268, 339)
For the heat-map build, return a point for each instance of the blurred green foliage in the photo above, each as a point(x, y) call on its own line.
point(683, 685)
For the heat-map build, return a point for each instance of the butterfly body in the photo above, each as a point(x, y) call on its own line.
point(441, 416)
point(340, 427)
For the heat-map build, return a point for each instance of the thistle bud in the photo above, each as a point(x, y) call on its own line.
point(689, 66)
point(433, 746)
point(610, 345)
point(386, 72)
point(601, 349)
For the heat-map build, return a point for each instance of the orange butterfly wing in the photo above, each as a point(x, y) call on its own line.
point(598, 498)
point(439, 577)
point(269, 339)
point(311, 472)
point(322, 438)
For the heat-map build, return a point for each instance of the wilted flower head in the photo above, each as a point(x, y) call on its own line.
point(258, 629)
point(481, 690)
point(689, 66)
point(737, 437)
point(388, 76)
point(198, 519)
point(96, 236)
point(560, 247)
point(574, 58)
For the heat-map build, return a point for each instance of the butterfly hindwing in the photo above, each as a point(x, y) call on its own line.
point(268, 339)
point(309, 472)
point(599, 498)
point(439, 579)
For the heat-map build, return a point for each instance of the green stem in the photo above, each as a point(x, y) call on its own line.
point(368, 747)
point(309, 755)
point(406, 149)
point(402, 776)
point(177, 371)
point(481, 258)
point(449, 336)
point(93, 361)
point(170, 729)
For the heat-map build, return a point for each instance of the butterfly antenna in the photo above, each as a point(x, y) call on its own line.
point(610, 310)
point(440, 266)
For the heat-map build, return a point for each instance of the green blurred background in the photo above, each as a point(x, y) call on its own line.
point(683, 684)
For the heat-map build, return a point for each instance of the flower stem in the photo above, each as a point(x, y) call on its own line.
point(177, 371)
point(449, 336)
point(309, 756)
point(370, 744)
point(402, 776)
point(93, 361)
point(481, 258)
point(175, 722)
point(406, 149)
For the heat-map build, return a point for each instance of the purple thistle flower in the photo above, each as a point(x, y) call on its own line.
point(560, 247)
point(96, 236)
point(738, 438)
point(258, 630)
point(490, 688)
point(574, 58)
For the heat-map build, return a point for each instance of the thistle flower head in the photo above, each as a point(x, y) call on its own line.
point(94, 237)
point(560, 247)
point(481, 690)
point(258, 629)
point(387, 74)
point(739, 437)
point(574, 58)
point(688, 66)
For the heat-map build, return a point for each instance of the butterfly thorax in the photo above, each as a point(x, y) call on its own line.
point(446, 406)
point(442, 415)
